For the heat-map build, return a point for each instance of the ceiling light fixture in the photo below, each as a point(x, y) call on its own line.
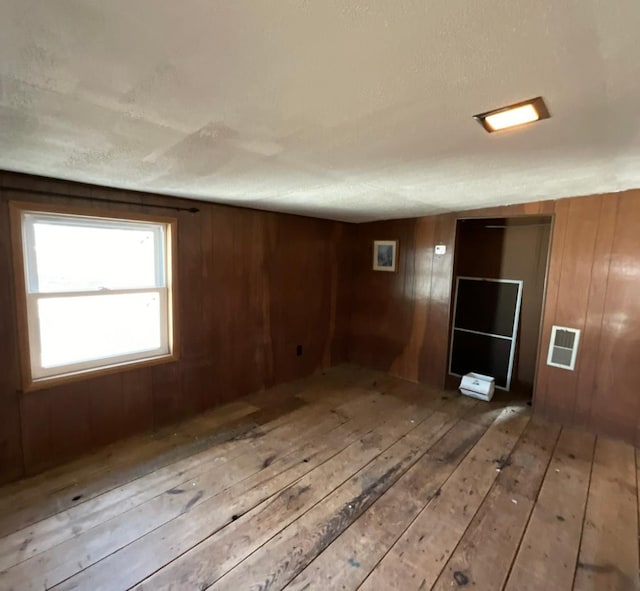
point(513, 115)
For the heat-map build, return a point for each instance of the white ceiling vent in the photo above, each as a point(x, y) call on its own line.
point(563, 347)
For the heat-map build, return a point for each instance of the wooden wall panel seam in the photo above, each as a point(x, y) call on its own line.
point(605, 297)
point(582, 325)
point(554, 272)
point(592, 382)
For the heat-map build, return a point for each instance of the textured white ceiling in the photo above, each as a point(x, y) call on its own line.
point(352, 110)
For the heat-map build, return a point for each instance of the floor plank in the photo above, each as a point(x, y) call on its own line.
point(105, 469)
point(608, 558)
point(284, 556)
point(157, 506)
point(349, 479)
point(549, 550)
point(348, 560)
point(247, 534)
point(31, 500)
point(203, 466)
point(485, 553)
point(222, 511)
point(416, 559)
point(93, 511)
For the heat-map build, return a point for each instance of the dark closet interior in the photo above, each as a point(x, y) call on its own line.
point(507, 249)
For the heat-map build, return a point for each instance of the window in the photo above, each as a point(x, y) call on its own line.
point(94, 291)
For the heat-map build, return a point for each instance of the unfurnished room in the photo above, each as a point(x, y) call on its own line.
point(319, 295)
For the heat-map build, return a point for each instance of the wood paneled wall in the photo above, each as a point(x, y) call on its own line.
point(399, 321)
point(594, 285)
point(253, 285)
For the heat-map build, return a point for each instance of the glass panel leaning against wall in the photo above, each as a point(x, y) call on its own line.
point(97, 290)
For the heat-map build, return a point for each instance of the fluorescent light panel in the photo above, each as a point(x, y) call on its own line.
point(513, 115)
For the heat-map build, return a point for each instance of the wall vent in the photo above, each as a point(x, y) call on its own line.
point(563, 347)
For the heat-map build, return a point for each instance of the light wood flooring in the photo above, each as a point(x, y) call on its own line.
point(347, 480)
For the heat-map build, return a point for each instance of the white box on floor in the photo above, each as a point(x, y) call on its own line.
point(478, 386)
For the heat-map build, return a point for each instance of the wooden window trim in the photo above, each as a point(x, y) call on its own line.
point(29, 384)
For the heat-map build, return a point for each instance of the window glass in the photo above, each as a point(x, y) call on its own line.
point(78, 329)
point(71, 256)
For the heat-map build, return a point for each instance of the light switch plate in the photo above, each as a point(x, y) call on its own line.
point(441, 248)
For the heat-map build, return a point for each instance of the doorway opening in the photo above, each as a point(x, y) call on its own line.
point(499, 278)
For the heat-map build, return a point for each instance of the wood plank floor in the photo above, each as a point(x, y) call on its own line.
point(348, 480)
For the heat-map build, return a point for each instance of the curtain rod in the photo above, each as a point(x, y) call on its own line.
point(101, 199)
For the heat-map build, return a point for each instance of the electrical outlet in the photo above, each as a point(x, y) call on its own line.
point(299, 351)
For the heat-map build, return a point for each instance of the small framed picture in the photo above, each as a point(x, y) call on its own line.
point(384, 255)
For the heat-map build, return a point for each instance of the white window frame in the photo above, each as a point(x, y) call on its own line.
point(23, 217)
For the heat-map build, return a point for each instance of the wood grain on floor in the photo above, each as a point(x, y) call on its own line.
point(351, 479)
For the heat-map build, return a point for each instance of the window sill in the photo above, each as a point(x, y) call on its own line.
point(86, 374)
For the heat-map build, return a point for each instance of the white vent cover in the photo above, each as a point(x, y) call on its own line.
point(563, 347)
